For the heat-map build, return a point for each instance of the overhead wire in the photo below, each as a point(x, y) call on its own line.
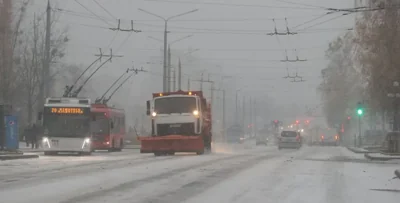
point(124, 41)
point(104, 9)
point(113, 39)
point(98, 17)
point(301, 4)
point(325, 21)
point(85, 15)
point(233, 5)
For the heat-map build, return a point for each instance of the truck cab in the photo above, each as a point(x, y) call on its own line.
point(181, 113)
point(180, 122)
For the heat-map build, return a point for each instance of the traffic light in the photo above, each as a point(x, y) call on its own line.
point(360, 110)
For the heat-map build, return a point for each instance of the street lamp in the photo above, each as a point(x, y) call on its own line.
point(166, 40)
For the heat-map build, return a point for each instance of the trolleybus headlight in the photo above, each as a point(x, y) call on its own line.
point(46, 142)
point(87, 140)
point(154, 114)
point(195, 112)
point(86, 143)
point(45, 139)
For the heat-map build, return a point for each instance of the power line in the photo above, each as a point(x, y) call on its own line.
point(104, 9)
point(314, 19)
point(233, 5)
point(124, 42)
point(330, 19)
point(98, 17)
point(218, 31)
point(112, 40)
point(301, 4)
point(85, 15)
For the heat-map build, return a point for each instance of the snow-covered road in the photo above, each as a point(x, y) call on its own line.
point(242, 174)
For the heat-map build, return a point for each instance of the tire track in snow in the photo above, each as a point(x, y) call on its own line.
point(72, 166)
point(137, 183)
point(27, 177)
point(198, 186)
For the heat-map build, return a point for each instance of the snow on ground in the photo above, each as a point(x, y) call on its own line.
point(59, 162)
point(301, 180)
point(234, 173)
point(109, 179)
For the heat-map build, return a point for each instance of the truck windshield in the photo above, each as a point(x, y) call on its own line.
point(66, 125)
point(170, 105)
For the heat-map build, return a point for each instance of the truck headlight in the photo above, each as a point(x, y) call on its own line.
point(195, 112)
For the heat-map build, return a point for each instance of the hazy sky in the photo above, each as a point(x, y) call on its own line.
point(230, 37)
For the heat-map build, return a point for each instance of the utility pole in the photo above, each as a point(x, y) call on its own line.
point(251, 116)
point(47, 50)
point(166, 40)
point(201, 82)
point(237, 107)
point(45, 89)
point(179, 75)
point(188, 84)
point(244, 113)
point(255, 118)
point(169, 70)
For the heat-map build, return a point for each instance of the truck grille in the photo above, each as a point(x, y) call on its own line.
point(175, 129)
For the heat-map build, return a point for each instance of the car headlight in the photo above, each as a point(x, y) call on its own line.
point(195, 112)
point(154, 114)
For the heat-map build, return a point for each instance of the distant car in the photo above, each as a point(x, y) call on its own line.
point(289, 139)
point(329, 137)
point(261, 140)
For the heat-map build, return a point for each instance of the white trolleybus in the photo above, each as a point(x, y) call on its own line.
point(66, 126)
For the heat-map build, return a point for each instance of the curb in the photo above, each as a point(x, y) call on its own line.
point(132, 147)
point(357, 151)
point(366, 155)
point(32, 151)
point(12, 157)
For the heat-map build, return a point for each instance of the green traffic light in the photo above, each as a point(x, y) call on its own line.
point(360, 112)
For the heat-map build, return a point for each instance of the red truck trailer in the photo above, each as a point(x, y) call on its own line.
point(180, 122)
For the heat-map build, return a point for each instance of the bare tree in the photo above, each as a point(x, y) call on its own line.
point(27, 46)
point(341, 85)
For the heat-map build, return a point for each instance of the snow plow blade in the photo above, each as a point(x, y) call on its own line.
point(171, 144)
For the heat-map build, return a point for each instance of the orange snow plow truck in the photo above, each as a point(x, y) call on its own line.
point(180, 122)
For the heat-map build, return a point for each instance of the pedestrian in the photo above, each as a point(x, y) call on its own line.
point(34, 136)
point(39, 136)
point(26, 135)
